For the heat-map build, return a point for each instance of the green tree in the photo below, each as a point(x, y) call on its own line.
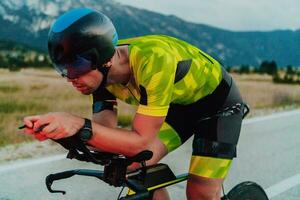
point(268, 67)
point(244, 69)
point(290, 70)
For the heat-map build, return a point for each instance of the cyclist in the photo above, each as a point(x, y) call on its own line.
point(175, 86)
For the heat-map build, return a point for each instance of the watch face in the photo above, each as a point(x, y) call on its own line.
point(85, 134)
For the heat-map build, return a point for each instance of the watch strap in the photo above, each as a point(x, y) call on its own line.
point(87, 123)
point(86, 132)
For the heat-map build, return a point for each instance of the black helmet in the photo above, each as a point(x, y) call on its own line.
point(81, 40)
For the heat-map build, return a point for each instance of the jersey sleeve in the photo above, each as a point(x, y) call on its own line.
point(156, 82)
point(102, 100)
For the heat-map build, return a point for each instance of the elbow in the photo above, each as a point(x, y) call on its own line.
point(140, 145)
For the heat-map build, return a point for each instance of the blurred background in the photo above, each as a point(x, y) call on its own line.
point(258, 42)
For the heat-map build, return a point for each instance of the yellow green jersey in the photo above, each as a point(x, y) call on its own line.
point(166, 70)
point(167, 73)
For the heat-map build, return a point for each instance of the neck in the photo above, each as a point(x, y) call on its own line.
point(120, 71)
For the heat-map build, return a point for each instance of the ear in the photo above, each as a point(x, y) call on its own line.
point(108, 64)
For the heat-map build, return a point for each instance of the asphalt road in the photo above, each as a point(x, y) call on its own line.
point(268, 153)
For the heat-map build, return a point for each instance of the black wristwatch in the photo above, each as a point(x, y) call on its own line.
point(85, 133)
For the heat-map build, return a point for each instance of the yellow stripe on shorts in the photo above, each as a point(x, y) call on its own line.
point(209, 167)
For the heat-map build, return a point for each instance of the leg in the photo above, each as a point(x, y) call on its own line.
point(206, 177)
point(202, 188)
point(214, 147)
point(166, 141)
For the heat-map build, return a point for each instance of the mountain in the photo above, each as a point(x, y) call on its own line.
point(28, 22)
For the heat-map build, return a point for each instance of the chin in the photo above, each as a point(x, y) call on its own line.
point(86, 92)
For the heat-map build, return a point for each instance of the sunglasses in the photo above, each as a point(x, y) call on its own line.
point(75, 69)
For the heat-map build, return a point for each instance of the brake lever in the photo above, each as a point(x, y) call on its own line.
point(54, 177)
point(49, 181)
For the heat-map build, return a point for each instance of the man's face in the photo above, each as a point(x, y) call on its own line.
point(87, 83)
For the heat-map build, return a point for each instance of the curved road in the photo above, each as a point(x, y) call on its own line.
point(268, 153)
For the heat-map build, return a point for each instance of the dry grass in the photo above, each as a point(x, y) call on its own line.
point(261, 93)
point(31, 91)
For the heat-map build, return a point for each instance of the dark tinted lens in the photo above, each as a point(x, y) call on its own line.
point(73, 70)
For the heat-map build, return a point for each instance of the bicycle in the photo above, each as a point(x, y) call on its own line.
point(141, 182)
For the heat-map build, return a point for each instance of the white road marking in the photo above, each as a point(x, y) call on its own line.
point(290, 182)
point(283, 186)
point(272, 191)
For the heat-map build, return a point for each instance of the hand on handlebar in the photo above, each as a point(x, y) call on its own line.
point(29, 125)
point(55, 125)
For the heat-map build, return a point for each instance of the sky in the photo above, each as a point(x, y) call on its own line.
point(237, 15)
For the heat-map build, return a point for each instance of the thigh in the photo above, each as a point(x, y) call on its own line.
point(167, 140)
point(169, 137)
point(214, 146)
point(215, 140)
point(209, 167)
point(218, 136)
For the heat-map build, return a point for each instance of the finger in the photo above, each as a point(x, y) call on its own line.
point(41, 123)
point(50, 131)
point(50, 128)
point(28, 131)
point(29, 120)
point(40, 137)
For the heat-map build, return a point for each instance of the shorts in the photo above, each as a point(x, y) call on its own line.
point(215, 136)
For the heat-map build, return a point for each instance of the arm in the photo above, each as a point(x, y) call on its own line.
point(124, 141)
point(115, 140)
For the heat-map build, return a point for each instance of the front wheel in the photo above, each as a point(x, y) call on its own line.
point(247, 191)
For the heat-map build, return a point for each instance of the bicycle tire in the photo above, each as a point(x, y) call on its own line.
point(247, 191)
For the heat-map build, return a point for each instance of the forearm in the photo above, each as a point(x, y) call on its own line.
point(116, 140)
